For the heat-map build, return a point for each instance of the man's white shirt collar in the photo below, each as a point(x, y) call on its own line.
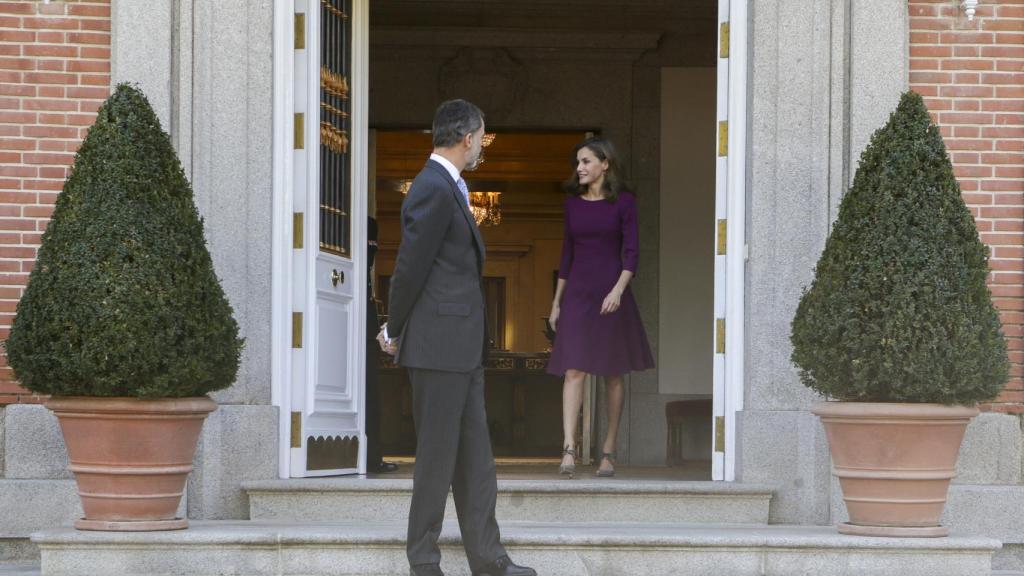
point(452, 170)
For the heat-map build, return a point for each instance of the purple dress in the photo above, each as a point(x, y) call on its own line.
point(600, 242)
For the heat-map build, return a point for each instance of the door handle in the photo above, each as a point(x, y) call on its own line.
point(337, 277)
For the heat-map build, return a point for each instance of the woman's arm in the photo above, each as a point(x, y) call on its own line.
point(630, 253)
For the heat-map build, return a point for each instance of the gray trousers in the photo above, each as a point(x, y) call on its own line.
point(453, 449)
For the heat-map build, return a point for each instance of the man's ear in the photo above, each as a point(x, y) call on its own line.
point(467, 140)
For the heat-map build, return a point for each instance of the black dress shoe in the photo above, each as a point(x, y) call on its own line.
point(385, 467)
point(504, 567)
point(425, 570)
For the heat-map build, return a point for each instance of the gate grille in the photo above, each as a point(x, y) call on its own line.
point(335, 161)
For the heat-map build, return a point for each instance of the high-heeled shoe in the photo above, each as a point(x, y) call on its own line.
point(609, 472)
point(568, 469)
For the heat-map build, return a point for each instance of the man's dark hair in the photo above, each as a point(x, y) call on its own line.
point(453, 120)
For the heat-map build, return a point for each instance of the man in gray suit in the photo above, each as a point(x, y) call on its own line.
point(437, 328)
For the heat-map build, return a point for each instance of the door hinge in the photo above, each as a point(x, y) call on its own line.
point(300, 31)
point(723, 40)
point(723, 138)
point(296, 434)
point(300, 131)
point(719, 433)
point(297, 230)
point(296, 329)
point(719, 335)
point(722, 228)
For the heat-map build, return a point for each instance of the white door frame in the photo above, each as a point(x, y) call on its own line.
point(730, 206)
point(284, 258)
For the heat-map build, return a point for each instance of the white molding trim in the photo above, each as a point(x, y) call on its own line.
point(736, 239)
point(281, 250)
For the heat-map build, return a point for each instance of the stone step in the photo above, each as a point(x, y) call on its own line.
point(581, 500)
point(227, 548)
point(20, 569)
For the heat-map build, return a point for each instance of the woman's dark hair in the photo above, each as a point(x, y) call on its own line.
point(614, 183)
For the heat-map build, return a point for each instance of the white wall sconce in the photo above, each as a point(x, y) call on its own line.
point(969, 6)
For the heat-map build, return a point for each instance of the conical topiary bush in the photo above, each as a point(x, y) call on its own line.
point(123, 300)
point(899, 310)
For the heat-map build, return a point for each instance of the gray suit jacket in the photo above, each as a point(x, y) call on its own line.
point(436, 306)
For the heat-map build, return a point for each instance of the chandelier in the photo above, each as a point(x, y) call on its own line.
point(486, 208)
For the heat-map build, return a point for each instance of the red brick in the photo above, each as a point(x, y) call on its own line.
point(49, 78)
point(50, 65)
point(958, 37)
point(965, 144)
point(51, 132)
point(968, 91)
point(1010, 38)
point(1002, 132)
point(90, 92)
point(1009, 91)
point(1002, 105)
point(100, 52)
point(89, 10)
point(103, 25)
point(930, 78)
point(51, 50)
point(50, 105)
point(16, 8)
point(95, 79)
point(17, 64)
point(43, 185)
point(1002, 51)
point(1009, 66)
point(923, 51)
point(17, 144)
point(920, 64)
point(968, 105)
point(88, 38)
point(38, 212)
point(59, 119)
point(960, 132)
point(81, 119)
point(966, 64)
point(56, 172)
point(1010, 145)
point(966, 51)
point(1003, 24)
point(17, 90)
point(19, 36)
point(972, 171)
point(50, 23)
point(924, 37)
point(89, 66)
point(49, 37)
point(1003, 78)
point(1009, 172)
point(1009, 119)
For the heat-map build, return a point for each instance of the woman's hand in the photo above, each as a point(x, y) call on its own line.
point(611, 301)
point(553, 317)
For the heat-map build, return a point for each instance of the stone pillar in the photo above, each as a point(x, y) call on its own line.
point(823, 77)
point(206, 68)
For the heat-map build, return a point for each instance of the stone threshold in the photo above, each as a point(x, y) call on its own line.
point(591, 549)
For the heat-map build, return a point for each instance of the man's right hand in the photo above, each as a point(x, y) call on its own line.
point(389, 346)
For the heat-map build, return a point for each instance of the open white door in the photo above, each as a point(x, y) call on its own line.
point(730, 207)
point(328, 275)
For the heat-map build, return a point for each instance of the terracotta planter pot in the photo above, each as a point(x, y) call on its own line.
point(894, 463)
point(131, 458)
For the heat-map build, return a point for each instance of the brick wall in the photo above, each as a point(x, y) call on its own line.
point(54, 74)
point(972, 77)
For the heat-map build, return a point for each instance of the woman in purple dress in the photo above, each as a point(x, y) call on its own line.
point(597, 324)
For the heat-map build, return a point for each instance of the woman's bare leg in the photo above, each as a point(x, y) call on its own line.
point(572, 399)
point(615, 389)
